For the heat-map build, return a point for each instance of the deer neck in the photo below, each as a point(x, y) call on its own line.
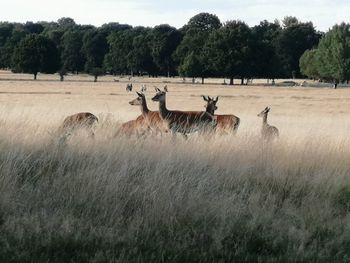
point(144, 108)
point(164, 112)
point(209, 110)
point(265, 119)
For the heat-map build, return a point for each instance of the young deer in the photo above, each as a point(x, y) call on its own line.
point(183, 121)
point(225, 123)
point(82, 120)
point(268, 132)
point(152, 118)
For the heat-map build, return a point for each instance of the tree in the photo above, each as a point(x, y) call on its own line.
point(266, 62)
point(309, 65)
point(120, 44)
point(139, 58)
point(203, 22)
point(72, 58)
point(289, 21)
point(333, 55)
point(35, 53)
point(96, 72)
point(191, 52)
point(33, 28)
point(230, 50)
point(292, 43)
point(164, 41)
point(95, 48)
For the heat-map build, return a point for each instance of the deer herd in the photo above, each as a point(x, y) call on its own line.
point(173, 121)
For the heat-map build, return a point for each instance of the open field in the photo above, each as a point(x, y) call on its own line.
point(217, 199)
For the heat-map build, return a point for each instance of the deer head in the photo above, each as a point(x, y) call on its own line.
point(264, 112)
point(138, 100)
point(160, 95)
point(211, 104)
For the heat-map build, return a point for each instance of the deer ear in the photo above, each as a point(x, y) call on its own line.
point(139, 94)
point(157, 90)
point(205, 98)
point(165, 88)
point(217, 98)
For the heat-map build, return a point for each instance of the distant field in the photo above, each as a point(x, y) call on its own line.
point(155, 199)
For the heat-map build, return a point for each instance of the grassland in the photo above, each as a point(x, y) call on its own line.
point(217, 199)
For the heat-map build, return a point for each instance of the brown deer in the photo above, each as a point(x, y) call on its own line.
point(81, 120)
point(268, 132)
point(183, 121)
point(152, 118)
point(225, 123)
point(134, 127)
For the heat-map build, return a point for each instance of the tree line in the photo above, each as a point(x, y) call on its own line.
point(204, 47)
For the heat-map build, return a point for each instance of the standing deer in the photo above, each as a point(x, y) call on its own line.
point(268, 132)
point(143, 88)
point(128, 87)
point(82, 120)
point(225, 123)
point(152, 118)
point(183, 121)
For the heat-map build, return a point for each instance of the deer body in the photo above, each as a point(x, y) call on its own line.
point(183, 121)
point(268, 132)
point(133, 127)
point(80, 120)
point(226, 123)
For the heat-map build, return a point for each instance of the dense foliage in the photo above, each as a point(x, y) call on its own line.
point(204, 47)
point(330, 61)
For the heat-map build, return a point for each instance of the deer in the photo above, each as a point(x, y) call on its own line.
point(81, 120)
point(183, 122)
point(225, 123)
point(152, 118)
point(143, 88)
point(133, 127)
point(268, 131)
point(128, 87)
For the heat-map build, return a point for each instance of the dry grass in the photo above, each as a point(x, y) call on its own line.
point(162, 200)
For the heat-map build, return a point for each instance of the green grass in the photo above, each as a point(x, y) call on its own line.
point(230, 199)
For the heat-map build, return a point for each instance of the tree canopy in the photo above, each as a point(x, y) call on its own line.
point(203, 47)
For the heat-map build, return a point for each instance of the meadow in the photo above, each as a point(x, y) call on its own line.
point(156, 199)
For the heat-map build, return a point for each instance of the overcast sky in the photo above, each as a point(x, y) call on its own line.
point(323, 13)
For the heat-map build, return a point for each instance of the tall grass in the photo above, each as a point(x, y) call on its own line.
point(158, 199)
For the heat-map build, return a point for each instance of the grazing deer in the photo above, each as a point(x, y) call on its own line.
point(128, 87)
point(268, 132)
point(225, 123)
point(183, 121)
point(152, 118)
point(82, 120)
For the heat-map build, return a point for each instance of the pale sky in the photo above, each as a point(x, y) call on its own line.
point(323, 13)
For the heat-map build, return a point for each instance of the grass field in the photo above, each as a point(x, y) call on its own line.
point(155, 199)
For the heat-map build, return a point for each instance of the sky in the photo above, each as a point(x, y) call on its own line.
point(323, 13)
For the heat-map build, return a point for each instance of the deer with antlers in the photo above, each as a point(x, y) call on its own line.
point(225, 123)
point(152, 118)
point(268, 131)
point(82, 120)
point(184, 121)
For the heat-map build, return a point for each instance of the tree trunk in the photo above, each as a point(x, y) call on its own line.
point(95, 80)
point(202, 80)
point(61, 78)
point(231, 80)
point(242, 81)
point(36, 73)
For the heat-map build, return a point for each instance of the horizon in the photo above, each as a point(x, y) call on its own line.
point(148, 13)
